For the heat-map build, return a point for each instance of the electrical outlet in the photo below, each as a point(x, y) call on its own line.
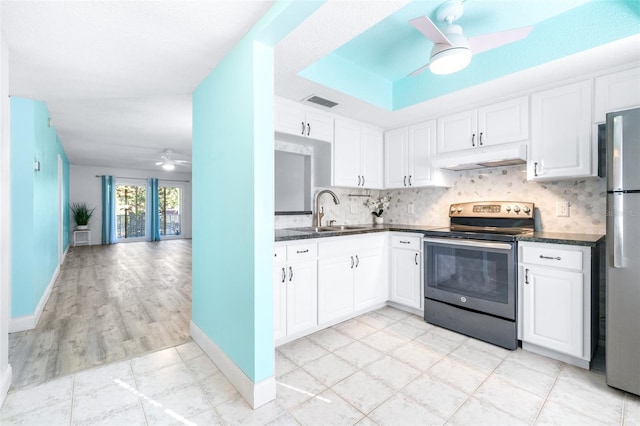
point(410, 208)
point(354, 208)
point(562, 209)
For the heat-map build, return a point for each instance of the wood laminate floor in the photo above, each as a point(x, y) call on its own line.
point(108, 303)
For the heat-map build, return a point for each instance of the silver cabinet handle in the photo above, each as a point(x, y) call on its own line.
point(290, 273)
point(473, 139)
point(480, 139)
point(405, 181)
point(302, 251)
point(404, 242)
point(308, 129)
point(410, 180)
point(535, 168)
point(358, 180)
point(550, 258)
point(302, 122)
point(362, 180)
point(357, 261)
point(416, 259)
point(526, 276)
point(351, 262)
point(284, 275)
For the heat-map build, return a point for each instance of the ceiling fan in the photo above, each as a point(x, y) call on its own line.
point(169, 162)
point(452, 51)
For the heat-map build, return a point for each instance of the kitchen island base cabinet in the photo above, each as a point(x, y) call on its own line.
point(557, 302)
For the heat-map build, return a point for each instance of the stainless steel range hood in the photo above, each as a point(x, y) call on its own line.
point(479, 158)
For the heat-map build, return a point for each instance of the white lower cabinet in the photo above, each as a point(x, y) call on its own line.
point(350, 276)
point(295, 290)
point(555, 301)
point(406, 271)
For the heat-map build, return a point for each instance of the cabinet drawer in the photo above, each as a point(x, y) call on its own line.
point(349, 245)
point(296, 252)
point(404, 242)
point(551, 256)
point(279, 254)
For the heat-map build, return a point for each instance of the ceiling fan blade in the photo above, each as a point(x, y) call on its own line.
point(182, 161)
point(489, 41)
point(159, 163)
point(419, 70)
point(429, 30)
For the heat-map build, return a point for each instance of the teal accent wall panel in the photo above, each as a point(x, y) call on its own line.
point(34, 204)
point(232, 292)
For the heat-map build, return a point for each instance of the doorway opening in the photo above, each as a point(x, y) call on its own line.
point(131, 207)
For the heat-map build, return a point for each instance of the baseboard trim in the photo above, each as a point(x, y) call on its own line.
point(29, 322)
point(256, 394)
point(5, 384)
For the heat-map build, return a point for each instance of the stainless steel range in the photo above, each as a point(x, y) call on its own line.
point(470, 275)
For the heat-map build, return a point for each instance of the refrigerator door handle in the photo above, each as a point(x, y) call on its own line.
point(618, 138)
point(618, 231)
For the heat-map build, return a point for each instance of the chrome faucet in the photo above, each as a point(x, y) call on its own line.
point(320, 210)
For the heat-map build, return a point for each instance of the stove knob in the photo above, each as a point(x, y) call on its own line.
point(516, 209)
point(508, 208)
point(526, 209)
point(459, 209)
point(453, 209)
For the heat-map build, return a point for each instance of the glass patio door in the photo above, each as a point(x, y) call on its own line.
point(130, 212)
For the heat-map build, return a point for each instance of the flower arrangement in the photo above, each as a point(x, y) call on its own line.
point(380, 205)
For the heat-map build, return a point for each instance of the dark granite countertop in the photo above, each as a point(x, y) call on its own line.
point(292, 234)
point(589, 240)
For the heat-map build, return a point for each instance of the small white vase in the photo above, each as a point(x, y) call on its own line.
point(82, 227)
point(378, 220)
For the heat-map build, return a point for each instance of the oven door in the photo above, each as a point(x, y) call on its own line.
point(473, 274)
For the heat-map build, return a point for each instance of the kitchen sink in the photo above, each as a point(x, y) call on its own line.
point(320, 229)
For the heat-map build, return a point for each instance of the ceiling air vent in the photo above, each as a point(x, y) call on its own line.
point(321, 101)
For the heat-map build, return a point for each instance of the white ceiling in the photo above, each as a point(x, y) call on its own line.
point(118, 76)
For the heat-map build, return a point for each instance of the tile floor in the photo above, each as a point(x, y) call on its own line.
point(386, 367)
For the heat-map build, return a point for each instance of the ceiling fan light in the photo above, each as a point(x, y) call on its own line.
point(168, 165)
point(451, 60)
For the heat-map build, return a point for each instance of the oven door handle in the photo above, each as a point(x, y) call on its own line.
point(469, 243)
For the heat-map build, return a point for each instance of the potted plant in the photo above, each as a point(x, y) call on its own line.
point(81, 214)
point(379, 207)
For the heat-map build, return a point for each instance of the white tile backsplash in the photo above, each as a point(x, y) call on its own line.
point(586, 197)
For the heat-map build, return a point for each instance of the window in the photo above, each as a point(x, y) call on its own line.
point(130, 211)
point(169, 206)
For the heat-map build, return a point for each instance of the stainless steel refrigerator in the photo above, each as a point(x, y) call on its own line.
point(623, 251)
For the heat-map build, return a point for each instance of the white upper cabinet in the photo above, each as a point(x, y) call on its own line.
point(357, 156)
point(561, 146)
point(295, 120)
point(616, 92)
point(494, 124)
point(408, 153)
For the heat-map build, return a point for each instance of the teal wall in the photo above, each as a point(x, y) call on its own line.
point(232, 293)
point(34, 204)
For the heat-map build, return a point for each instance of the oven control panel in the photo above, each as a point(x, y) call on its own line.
point(496, 209)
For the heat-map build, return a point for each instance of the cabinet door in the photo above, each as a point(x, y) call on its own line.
point(302, 296)
point(320, 126)
point(616, 92)
point(503, 122)
point(396, 153)
point(335, 287)
point(279, 301)
point(289, 119)
point(346, 155)
point(561, 144)
point(367, 283)
point(371, 163)
point(421, 149)
point(405, 277)
point(458, 132)
point(553, 309)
